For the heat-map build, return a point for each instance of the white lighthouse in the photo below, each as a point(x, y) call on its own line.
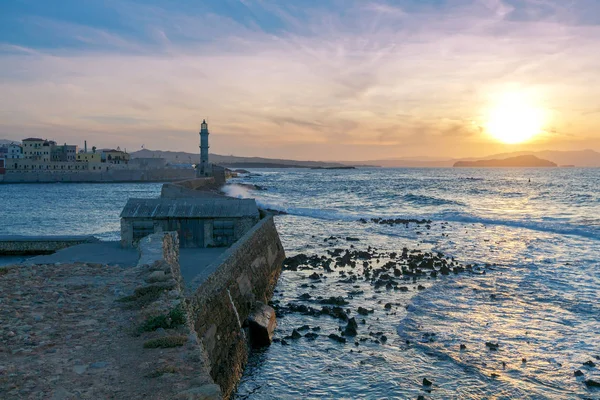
point(204, 168)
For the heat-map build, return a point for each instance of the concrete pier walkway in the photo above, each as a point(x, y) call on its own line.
point(108, 253)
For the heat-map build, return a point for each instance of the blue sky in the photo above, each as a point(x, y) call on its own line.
point(300, 79)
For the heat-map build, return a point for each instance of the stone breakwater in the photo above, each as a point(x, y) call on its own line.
point(246, 277)
point(83, 330)
point(33, 245)
point(99, 331)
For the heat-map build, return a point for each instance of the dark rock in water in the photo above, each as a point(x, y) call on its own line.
point(316, 328)
point(494, 375)
point(261, 324)
point(311, 335)
point(592, 383)
point(578, 373)
point(304, 328)
point(363, 311)
point(523, 360)
point(337, 338)
point(403, 288)
point(352, 239)
point(589, 363)
point(284, 342)
point(492, 346)
point(296, 334)
point(427, 382)
point(387, 306)
point(420, 287)
point(351, 328)
point(336, 301)
point(335, 312)
point(420, 397)
point(463, 347)
point(305, 296)
point(314, 275)
point(383, 338)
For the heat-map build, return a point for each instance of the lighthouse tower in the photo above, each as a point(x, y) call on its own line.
point(204, 169)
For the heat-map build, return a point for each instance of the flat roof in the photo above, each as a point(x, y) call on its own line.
point(190, 208)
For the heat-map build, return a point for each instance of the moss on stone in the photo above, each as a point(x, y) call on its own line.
point(143, 296)
point(174, 318)
point(167, 369)
point(165, 342)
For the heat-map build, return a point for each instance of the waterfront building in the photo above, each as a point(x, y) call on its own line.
point(33, 148)
point(15, 151)
point(64, 153)
point(113, 156)
point(200, 222)
point(89, 157)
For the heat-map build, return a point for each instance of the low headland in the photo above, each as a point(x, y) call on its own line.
point(519, 161)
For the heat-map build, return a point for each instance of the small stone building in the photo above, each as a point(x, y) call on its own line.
point(200, 222)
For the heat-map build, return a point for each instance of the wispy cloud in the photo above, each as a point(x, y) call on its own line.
point(333, 80)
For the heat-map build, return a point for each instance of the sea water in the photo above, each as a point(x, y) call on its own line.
point(538, 230)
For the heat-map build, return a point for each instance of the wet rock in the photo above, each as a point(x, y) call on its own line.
point(304, 328)
point(261, 324)
point(590, 364)
point(336, 301)
point(337, 338)
point(578, 373)
point(492, 346)
point(335, 312)
point(352, 239)
point(296, 334)
point(363, 311)
point(592, 383)
point(463, 347)
point(311, 335)
point(383, 338)
point(427, 382)
point(351, 328)
point(305, 296)
point(284, 342)
point(314, 276)
point(494, 375)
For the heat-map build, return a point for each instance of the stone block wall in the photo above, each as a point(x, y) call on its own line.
point(247, 273)
point(34, 245)
point(158, 265)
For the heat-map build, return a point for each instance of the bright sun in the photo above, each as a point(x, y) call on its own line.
point(514, 119)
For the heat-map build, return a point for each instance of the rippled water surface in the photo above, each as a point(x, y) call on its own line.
point(537, 230)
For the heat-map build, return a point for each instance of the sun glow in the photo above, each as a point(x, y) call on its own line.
point(514, 119)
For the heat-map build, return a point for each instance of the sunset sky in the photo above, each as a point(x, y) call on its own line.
point(303, 79)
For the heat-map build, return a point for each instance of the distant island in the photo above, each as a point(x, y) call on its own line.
point(344, 167)
point(519, 161)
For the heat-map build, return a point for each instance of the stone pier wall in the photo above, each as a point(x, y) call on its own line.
point(34, 245)
point(116, 175)
point(247, 273)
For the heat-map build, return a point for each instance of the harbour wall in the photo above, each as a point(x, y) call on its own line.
point(33, 245)
point(116, 175)
point(246, 274)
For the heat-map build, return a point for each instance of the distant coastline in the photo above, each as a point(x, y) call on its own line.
point(526, 161)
